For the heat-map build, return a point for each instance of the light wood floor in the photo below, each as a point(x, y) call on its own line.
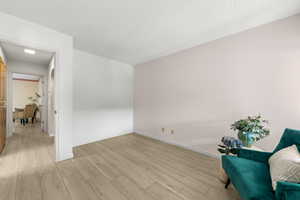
point(129, 167)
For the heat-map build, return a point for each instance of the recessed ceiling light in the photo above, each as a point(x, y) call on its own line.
point(29, 51)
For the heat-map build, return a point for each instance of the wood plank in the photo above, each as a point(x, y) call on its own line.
point(29, 186)
point(126, 167)
point(130, 189)
point(53, 186)
point(107, 170)
point(78, 188)
point(158, 191)
point(9, 169)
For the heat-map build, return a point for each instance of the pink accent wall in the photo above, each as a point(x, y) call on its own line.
point(199, 92)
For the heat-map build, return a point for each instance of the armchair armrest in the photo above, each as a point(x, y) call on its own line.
point(259, 156)
point(287, 191)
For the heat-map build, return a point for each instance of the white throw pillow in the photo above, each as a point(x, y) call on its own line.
point(285, 165)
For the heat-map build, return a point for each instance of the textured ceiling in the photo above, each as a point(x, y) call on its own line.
point(135, 31)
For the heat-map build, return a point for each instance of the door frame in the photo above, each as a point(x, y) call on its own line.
point(10, 97)
point(42, 47)
point(52, 117)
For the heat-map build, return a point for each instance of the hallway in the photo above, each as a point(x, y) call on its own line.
point(26, 160)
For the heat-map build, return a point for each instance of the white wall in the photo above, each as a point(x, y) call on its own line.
point(22, 90)
point(199, 92)
point(26, 68)
point(39, 37)
point(102, 98)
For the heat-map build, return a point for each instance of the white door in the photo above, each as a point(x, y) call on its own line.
point(51, 100)
point(43, 107)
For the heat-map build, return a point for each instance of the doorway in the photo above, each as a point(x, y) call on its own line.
point(27, 94)
point(28, 99)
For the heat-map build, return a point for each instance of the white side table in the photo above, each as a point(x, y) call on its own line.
point(255, 148)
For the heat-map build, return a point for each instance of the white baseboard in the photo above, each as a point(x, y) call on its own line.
point(66, 156)
point(99, 139)
point(182, 146)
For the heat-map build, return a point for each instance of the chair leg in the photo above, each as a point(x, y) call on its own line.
point(227, 183)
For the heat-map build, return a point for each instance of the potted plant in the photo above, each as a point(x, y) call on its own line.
point(251, 129)
point(35, 99)
point(229, 145)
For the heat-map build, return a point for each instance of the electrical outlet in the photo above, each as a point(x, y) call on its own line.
point(172, 131)
point(162, 130)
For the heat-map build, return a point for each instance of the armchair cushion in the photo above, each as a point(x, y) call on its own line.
point(289, 137)
point(287, 191)
point(285, 165)
point(250, 178)
point(254, 155)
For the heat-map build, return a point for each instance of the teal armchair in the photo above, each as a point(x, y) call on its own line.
point(250, 175)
